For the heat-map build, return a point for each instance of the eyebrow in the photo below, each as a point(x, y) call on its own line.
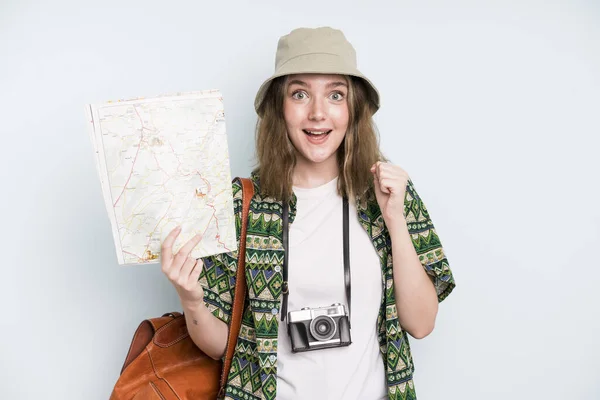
point(337, 84)
point(329, 85)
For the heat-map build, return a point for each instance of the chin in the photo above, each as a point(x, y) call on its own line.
point(318, 159)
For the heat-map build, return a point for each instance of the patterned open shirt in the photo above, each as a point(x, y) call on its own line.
point(253, 373)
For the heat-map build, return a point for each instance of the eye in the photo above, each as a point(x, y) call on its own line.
point(299, 95)
point(337, 96)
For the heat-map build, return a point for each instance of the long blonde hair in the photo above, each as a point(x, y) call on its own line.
point(276, 157)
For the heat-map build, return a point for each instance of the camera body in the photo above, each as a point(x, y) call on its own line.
point(319, 328)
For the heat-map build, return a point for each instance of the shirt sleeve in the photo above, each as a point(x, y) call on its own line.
point(427, 243)
point(219, 271)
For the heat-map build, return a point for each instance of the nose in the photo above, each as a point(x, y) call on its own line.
point(317, 110)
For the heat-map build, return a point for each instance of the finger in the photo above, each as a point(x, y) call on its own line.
point(197, 270)
point(187, 248)
point(388, 170)
point(167, 246)
point(184, 274)
point(386, 185)
point(397, 176)
point(377, 169)
point(383, 172)
point(377, 184)
point(396, 184)
point(375, 172)
point(193, 279)
point(393, 179)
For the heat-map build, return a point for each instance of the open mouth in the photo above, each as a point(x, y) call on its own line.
point(316, 133)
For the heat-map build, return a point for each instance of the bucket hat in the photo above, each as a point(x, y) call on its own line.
point(321, 50)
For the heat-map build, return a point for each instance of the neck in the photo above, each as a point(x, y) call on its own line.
point(309, 175)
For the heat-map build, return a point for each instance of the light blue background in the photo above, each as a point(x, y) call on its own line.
point(492, 107)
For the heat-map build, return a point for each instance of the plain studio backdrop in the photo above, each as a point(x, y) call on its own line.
point(493, 108)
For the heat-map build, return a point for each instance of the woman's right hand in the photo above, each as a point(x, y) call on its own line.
point(181, 269)
point(207, 331)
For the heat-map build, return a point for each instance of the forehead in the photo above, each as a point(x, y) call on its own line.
point(316, 79)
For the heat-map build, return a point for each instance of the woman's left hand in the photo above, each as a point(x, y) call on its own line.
point(390, 188)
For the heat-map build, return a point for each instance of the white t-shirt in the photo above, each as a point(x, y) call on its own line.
point(316, 279)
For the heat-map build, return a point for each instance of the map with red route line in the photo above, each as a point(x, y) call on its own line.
point(164, 162)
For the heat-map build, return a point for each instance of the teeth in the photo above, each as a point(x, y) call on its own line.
point(317, 133)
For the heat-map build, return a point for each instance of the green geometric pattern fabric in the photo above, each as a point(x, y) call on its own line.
point(253, 373)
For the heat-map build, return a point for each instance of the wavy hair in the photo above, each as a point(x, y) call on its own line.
point(275, 153)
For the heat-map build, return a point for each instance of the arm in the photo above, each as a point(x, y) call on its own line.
point(416, 298)
point(207, 331)
point(421, 274)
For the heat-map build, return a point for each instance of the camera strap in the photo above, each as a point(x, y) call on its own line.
point(285, 286)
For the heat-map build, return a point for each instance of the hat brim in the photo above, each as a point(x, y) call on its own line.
point(316, 63)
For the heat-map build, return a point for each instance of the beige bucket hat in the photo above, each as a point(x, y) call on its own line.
point(318, 51)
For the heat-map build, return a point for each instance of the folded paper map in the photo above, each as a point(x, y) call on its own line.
point(164, 162)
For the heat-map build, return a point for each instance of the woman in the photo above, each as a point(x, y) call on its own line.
point(316, 146)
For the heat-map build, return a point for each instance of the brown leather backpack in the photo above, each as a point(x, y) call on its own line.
point(163, 362)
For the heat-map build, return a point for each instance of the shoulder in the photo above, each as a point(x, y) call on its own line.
point(236, 189)
point(236, 183)
point(238, 192)
point(411, 192)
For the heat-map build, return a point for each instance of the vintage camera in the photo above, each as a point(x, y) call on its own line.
point(319, 328)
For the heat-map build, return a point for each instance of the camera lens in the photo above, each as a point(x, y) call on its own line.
point(322, 328)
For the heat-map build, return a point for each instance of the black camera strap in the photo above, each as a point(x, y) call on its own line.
point(285, 286)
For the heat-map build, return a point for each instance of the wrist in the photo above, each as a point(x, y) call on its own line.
point(193, 306)
point(396, 225)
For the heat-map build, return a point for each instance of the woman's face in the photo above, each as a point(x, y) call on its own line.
point(316, 115)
